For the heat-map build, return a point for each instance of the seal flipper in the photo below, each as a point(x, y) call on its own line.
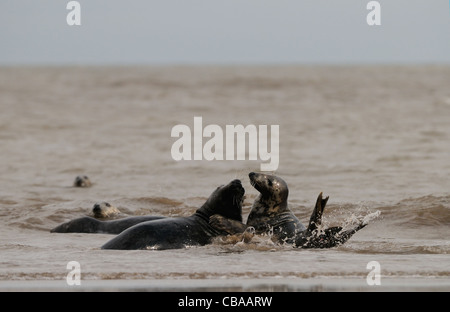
point(316, 216)
point(334, 236)
point(342, 237)
point(227, 225)
point(330, 237)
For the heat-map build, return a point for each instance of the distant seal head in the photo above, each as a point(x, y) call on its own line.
point(82, 181)
point(270, 213)
point(171, 233)
point(103, 210)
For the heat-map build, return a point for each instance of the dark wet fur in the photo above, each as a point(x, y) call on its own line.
point(313, 237)
point(171, 233)
point(271, 213)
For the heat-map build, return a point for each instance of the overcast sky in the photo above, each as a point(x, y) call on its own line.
point(224, 32)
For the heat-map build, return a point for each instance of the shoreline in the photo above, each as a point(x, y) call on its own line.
point(232, 285)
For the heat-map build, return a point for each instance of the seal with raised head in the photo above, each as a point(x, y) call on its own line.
point(270, 212)
point(102, 212)
point(179, 232)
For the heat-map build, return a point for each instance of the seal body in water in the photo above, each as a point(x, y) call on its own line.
point(93, 225)
point(171, 233)
point(270, 212)
point(102, 212)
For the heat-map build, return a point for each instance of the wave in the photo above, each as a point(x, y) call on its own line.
point(426, 212)
point(396, 247)
point(208, 275)
point(413, 213)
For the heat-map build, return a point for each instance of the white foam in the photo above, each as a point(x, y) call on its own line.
point(371, 216)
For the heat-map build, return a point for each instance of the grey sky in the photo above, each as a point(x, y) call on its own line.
point(224, 32)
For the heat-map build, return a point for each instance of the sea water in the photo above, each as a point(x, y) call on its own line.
point(373, 138)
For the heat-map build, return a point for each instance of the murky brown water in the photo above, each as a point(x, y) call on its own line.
point(375, 139)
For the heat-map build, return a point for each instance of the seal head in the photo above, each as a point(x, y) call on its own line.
point(104, 210)
point(270, 211)
point(82, 181)
point(226, 200)
point(273, 195)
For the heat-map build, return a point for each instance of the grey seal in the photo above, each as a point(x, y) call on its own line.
point(99, 223)
point(172, 233)
point(270, 212)
point(104, 210)
point(93, 225)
